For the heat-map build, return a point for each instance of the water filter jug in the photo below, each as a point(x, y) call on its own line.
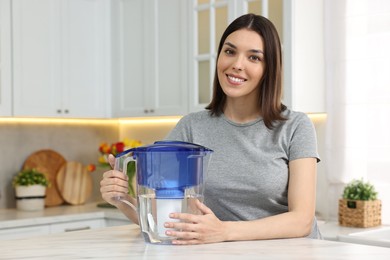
point(170, 177)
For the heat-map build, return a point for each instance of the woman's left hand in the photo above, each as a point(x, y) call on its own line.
point(196, 229)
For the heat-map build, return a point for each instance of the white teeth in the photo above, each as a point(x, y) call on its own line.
point(235, 79)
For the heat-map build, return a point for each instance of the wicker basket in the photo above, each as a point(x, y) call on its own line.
point(360, 213)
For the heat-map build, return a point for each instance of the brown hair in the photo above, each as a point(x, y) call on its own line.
point(271, 83)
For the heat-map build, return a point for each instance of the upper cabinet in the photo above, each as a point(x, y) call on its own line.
point(61, 58)
point(123, 58)
point(150, 57)
point(304, 62)
point(5, 59)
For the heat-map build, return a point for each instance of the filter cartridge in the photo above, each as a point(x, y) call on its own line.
point(164, 208)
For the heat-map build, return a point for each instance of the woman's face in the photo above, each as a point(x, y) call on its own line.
point(241, 64)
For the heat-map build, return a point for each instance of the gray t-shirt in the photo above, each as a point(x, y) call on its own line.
point(247, 178)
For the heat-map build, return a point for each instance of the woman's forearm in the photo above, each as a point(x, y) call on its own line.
point(286, 225)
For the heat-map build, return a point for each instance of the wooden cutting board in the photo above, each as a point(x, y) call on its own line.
point(74, 183)
point(48, 162)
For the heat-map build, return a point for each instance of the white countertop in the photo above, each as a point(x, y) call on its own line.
point(126, 242)
point(12, 218)
point(330, 230)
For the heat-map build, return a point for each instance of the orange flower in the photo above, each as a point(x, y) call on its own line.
point(104, 148)
point(91, 167)
point(115, 148)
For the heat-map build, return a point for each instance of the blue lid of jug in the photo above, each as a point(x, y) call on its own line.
point(169, 167)
point(168, 146)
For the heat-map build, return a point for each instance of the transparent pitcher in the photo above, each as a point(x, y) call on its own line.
point(170, 178)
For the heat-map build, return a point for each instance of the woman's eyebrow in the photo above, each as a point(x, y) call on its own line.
point(252, 50)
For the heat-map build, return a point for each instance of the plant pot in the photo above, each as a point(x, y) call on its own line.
point(360, 213)
point(30, 198)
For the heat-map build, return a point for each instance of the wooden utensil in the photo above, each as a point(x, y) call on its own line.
point(48, 162)
point(74, 183)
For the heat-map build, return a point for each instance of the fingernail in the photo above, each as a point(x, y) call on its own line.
point(168, 232)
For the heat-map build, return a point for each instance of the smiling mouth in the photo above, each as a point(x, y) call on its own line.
point(235, 80)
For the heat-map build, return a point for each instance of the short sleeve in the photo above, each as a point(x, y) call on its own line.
point(303, 143)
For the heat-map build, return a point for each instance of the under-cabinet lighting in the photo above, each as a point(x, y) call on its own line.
point(74, 121)
point(123, 121)
point(317, 117)
point(87, 121)
point(150, 120)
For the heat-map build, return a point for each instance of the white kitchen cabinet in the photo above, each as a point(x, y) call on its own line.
point(111, 222)
point(304, 62)
point(61, 65)
point(45, 229)
point(24, 232)
point(5, 58)
point(76, 225)
point(150, 58)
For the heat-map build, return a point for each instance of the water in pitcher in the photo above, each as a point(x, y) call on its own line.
point(154, 212)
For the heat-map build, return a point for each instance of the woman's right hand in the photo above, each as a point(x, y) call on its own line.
point(114, 184)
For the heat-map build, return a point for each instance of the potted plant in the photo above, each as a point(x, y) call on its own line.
point(359, 206)
point(30, 188)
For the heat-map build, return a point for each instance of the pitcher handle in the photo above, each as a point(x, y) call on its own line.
point(122, 167)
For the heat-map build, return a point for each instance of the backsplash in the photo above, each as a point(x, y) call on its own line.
point(74, 141)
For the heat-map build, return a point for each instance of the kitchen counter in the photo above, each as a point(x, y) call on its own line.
point(126, 242)
point(12, 218)
point(331, 230)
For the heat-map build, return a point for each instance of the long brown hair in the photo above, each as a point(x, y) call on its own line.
point(271, 83)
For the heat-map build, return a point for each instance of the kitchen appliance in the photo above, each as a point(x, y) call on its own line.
point(170, 178)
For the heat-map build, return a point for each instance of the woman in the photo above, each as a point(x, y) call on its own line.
point(262, 177)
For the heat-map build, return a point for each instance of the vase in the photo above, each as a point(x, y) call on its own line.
point(30, 198)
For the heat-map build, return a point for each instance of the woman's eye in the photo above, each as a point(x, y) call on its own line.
point(229, 51)
point(255, 58)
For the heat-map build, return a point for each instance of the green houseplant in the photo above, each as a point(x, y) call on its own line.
point(359, 206)
point(30, 188)
point(359, 190)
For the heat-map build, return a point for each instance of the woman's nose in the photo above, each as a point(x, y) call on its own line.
point(239, 64)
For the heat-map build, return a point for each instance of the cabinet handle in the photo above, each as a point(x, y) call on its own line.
point(66, 111)
point(59, 111)
point(77, 229)
point(149, 111)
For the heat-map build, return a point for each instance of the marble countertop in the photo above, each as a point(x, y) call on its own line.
point(12, 218)
point(126, 242)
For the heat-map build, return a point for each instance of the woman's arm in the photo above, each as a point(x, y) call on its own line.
point(296, 222)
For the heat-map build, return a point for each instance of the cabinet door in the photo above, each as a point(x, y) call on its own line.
point(76, 226)
point(85, 57)
point(304, 79)
point(61, 64)
point(24, 232)
point(129, 49)
point(5, 58)
point(168, 89)
point(110, 222)
point(36, 57)
point(151, 58)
